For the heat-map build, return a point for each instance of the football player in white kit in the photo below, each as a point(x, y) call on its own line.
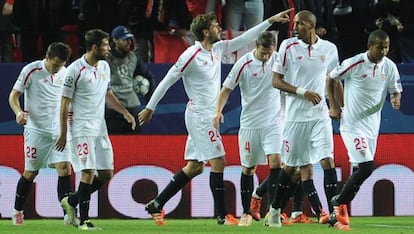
point(261, 117)
point(367, 78)
point(41, 82)
point(300, 70)
point(200, 69)
point(86, 88)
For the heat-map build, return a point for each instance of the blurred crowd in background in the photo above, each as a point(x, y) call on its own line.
point(28, 26)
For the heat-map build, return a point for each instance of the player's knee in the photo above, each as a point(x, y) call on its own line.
point(327, 163)
point(30, 175)
point(105, 176)
point(249, 170)
point(275, 161)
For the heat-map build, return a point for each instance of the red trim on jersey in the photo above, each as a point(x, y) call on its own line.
point(191, 58)
point(30, 73)
point(350, 67)
point(287, 48)
point(80, 71)
point(241, 69)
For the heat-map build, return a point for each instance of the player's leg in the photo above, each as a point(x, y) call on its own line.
point(272, 145)
point(330, 180)
point(361, 150)
point(350, 189)
point(24, 185)
point(180, 179)
point(84, 192)
point(297, 215)
point(217, 189)
point(310, 190)
point(324, 141)
point(37, 148)
point(275, 165)
point(194, 167)
point(256, 202)
point(282, 190)
point(246, 188)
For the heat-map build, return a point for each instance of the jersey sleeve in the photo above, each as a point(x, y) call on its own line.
point(22, 81)
point(334, 61)
point(342, 71)
point(235, 75)
point(395, 84)
point(71, 78)
point(279, 65)
point(245, 38)
point(180, 68)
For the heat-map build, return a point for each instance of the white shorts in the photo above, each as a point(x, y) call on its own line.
point(40, 152)
point(93, 152)
point(204, 140)
point(360, 148)
point(256, 144)
point(307, 142)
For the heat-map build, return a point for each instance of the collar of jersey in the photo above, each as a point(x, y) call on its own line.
point(371, 63)
point(306, 45)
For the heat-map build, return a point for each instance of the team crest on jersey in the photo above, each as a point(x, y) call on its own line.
point(322, 58)
point(383, 77)
point(103, 77)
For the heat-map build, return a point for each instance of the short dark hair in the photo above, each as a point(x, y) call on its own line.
point(201, 22)
point(377, 35)
point(60, 50)
point(94, 37)
point(266, 39)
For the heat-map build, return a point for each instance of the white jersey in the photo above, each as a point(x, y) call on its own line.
point(365, 89)
point(260, 101)
point(87, 87)
point(42, 95)
point(200, 70)
point(306, 67)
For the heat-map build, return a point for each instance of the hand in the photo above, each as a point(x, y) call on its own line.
point(217, 119)
point(21, 118)
point(321, 31)
point(313, 97)
point(395, 101)
point(145, 116)
point(130, 119)
point(61, 142)
point(379, 22)
point(400, 28)
point(281, 17)
point(7, 9)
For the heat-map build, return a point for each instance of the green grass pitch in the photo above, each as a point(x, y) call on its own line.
point(376, 225)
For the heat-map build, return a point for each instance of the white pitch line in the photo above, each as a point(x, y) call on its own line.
point(390, 226)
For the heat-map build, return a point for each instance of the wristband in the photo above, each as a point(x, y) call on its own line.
point(300, 91)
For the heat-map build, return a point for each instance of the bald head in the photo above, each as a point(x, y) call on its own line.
point(308, 17)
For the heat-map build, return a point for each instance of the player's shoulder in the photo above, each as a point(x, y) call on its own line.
point(33, 66)
point(289, 42)
point(356, 59)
